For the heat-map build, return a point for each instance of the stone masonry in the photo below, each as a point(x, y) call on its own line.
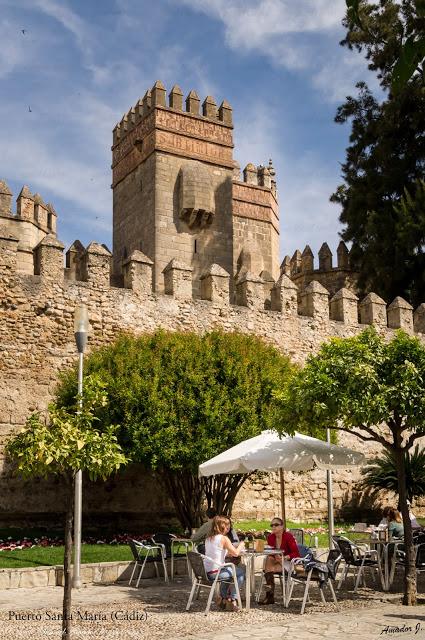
point(195, 249)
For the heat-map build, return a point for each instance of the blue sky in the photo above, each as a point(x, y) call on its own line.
point(79, 66)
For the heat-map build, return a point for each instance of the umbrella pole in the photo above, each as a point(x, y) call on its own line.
point(331, 528)
point(282, 496)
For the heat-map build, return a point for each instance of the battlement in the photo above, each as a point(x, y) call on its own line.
point(271, 303)
point(33, 220)
point(301, 268)
point(157, 98)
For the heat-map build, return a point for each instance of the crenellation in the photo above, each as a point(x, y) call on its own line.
point(175, 98)
point(48, 259)
point(178, 279)
point(296, 262)
point(5, 199)
point(209, 108)
point(73, 261)
point(158, 94)
point(96, 265)
point(373, 310)
point(400, 315)
point(215, 285)
point(250, 291)
point(269, 282)
point(52, 218)
point(147, 102)
point(192, 103)
point(315, 301)
point(285, 267)
point(284, 296)
point(343, 307)
point(25, 204)
point(40, 211)
point(307, 260)
point(264, 177)
point(225, 113)
point(419, 319)
point(137, 271)
point(343, 256)
point(325, 257)
point(250, 174)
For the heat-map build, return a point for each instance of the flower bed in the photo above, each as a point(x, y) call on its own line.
point(10, 544)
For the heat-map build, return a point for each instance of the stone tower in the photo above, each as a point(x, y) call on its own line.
point(177, 194)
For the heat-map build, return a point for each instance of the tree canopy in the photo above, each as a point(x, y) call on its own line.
point(385, 160)
point(369, 387)
point(181, 399)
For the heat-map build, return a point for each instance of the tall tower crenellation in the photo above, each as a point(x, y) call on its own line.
point(32, 222)
point(177, 193)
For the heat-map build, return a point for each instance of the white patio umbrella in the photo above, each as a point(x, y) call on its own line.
point(268, 452)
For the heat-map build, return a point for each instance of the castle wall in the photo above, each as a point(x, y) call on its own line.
point(37, 341)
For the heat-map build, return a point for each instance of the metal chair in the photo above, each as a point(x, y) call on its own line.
point(171, 545)
point(200, 579)
point(356, 560)
point(143, 553)
point(320, 573)
point(298, 535)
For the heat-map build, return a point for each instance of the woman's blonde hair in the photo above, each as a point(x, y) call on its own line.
point(219, 525)
point(394, 516)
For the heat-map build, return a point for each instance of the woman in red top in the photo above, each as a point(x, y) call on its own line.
point(279, 539)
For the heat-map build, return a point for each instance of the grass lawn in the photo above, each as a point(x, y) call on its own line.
point(50, 556)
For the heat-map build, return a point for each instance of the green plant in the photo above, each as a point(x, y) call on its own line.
point(381, 473)
point(181, 399)
point(62, 445)
point(372, 388)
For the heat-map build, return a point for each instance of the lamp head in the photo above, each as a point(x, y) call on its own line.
point(81, 326)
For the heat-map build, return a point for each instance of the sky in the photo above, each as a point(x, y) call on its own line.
point(69, 70)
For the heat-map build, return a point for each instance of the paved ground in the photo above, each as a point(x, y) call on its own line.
point(157, 611)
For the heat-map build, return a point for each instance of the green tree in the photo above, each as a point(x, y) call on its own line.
point(373, 389)
point(381, 473)
point(62, 445)
point(386, 155)
point(409, 65)
point(181, 399)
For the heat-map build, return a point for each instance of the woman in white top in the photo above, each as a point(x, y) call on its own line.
point(217, 547)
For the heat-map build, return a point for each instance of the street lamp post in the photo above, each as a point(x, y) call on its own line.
point(331, 530)
point(81, 325)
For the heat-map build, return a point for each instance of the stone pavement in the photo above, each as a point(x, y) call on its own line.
point(160, 613)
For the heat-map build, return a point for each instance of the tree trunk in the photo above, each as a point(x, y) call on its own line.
point(186, 493)
point(66, 612)
point(221, 491)
point(409, 597)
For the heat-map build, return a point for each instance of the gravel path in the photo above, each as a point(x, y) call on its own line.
point(156, 611)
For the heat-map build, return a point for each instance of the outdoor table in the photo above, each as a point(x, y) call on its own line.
point(384, 553)
point(249, 561)
point(382, 548)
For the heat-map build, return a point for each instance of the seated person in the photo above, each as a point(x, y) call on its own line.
point(205, 529)
point(384, 521)
point(279, 539)
point(395, 524)
point(217, 546)
point(415, 524)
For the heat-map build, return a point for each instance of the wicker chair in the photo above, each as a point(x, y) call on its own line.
point(172, 545)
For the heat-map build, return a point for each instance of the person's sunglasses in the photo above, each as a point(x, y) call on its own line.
point(275, 524)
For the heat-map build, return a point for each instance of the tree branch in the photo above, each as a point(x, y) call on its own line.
point(374, 437)
point(412, 439)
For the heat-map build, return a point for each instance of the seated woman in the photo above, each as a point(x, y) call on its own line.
point(217, 546)
point(279, 539)
point(395, 524)
point(385, 512)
